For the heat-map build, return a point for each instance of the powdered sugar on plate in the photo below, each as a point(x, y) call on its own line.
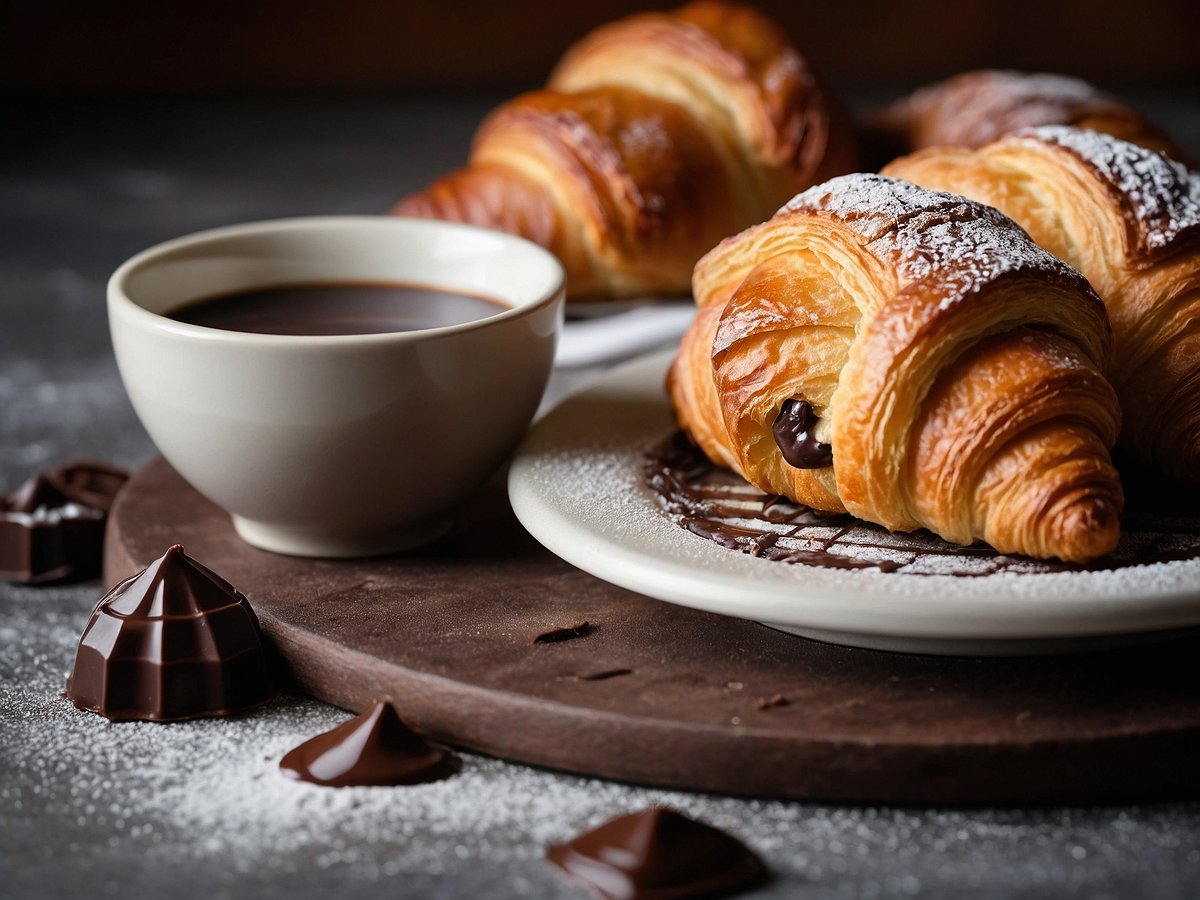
point(578, 485)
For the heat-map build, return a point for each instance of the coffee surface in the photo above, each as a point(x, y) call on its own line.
point(330, 308)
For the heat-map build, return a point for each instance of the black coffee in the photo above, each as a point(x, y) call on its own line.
point(343, 307)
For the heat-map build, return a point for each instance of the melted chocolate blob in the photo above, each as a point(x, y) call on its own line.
point(175, 641)
point(775, 700)
point(52, 526)
point(374, 748)
point(1159, 525)
point(794, 435)
point(604, 675)
point(658, 853)
point(557, 635)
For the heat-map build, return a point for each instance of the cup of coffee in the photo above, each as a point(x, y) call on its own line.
point(337, 384)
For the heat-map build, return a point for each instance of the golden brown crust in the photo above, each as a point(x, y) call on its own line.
point(953, 365)
point(1129, 220)
point(976, 108)
point(660, 134)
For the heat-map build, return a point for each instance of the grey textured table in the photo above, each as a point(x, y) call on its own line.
point(89, 808)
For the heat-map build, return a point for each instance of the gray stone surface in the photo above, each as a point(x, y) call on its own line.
point(89, 808)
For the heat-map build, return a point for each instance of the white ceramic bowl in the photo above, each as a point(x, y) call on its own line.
point(346, 445)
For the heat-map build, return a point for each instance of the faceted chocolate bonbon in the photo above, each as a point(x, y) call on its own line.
point(52, 526)
point(374, 748)
point(658, 853)
point(175, 641)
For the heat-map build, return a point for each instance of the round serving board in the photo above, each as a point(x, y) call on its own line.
point(660, 694)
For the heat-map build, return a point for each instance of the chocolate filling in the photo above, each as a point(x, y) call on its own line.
point(795, 435)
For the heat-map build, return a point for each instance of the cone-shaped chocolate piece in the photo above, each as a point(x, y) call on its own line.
point(52, 526)
point(175, 641)
point(90, 484)
point(375, 747)
point(37, 491)
point(658, 853)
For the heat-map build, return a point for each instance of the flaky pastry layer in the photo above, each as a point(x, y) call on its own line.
point(953, 365)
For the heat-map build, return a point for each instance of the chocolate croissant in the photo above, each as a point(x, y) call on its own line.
point(1129, 219)
point(657, 136)
point(976, 108)
point(913, 358)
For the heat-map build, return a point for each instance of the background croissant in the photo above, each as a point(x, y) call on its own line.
point(1129, 219)
point(658, 135)
point(976, 108)
point(921, 361)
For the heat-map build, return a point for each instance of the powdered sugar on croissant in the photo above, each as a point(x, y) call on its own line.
point(975, 108)
point(954, 368)
point(1129, 219)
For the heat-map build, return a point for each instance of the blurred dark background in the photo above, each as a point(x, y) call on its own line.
point(127, 122)
point(268, 45)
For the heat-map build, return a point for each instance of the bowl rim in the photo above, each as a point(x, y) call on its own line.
point(120, 303)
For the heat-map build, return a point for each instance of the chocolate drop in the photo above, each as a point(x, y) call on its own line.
point(794, 435)
point(658, 853)
point(175, 641)
point(52, 526)
point(374, 748)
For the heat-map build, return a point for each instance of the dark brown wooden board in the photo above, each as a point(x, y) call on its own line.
point(448, 633)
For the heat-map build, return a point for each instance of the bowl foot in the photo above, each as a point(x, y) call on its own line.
point(303, 542)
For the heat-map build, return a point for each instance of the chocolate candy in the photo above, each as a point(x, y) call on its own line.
point(658, 853)
point(375, 747)
point(52, 526)
point(175, 641)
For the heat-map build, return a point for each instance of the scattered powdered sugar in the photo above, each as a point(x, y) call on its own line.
point(587, 473)
point(603, 489)
point(930, 234)
point(200, 809)
point(1159, 196)
point(51, 515)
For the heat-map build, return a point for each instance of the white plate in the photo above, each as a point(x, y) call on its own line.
point(577, 485)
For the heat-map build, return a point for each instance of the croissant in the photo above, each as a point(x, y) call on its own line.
point(1129, 219)
point(913, 358)
point(657, 136)
point(976, 108)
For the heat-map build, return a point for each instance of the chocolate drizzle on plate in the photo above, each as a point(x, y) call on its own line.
point(795, 435)
point(1161, 524)
point(374, 748)
point(658, 853)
